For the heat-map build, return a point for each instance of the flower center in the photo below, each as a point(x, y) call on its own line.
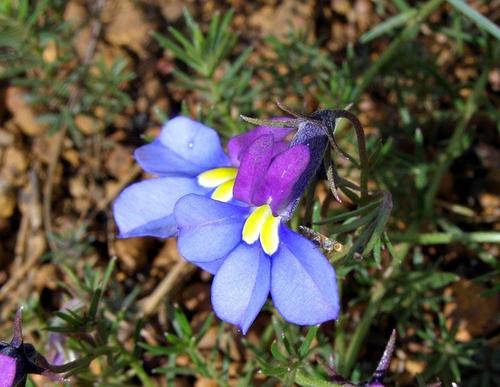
point(262, 224)
point(222, 179)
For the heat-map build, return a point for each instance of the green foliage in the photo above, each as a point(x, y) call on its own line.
point(222, 83)
point(186, 342)
point(386, 279)
point(91, 328)
point(64, 85)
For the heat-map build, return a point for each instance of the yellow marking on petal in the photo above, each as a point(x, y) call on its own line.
point(217, 176)
point(254, 223)
point(262, 224)
point(224, 192)
point(269, 234)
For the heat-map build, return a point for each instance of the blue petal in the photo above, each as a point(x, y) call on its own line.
point(208, 229)
point(160, 160)
point(212, 267)
point(194, 142)
point(184, 147)
point(241, 286)
point(146, 208)
point(303, 283)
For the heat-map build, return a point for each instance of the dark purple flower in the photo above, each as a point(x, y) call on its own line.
point(18, 359)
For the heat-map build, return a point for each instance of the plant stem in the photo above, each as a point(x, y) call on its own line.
point(345, 215)
point(439, 238)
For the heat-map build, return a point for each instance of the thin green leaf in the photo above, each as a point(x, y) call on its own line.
point(275, 351)
point(355, 223)
point(311, 335)
point(476, 17)
point(387, 26)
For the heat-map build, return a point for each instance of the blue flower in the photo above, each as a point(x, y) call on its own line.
point(188, 158)
point(250, 249)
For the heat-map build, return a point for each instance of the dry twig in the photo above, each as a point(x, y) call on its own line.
point(150, 303)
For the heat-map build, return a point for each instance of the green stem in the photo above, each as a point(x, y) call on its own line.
point(407, 34)
point(439, 238)
point(363, 155)
point(141, 374)
point(302, 379)
point(454, 147)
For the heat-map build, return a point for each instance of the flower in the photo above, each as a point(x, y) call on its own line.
point(188, 158)
point(250, 249)
point(18, 359)
point(7, 370)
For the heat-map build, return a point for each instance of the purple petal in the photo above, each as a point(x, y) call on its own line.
point(239, 144)
point(252, 171)
point(208, 229)
point(241, 286)
point(282, 175)
point(303, 283)
point(184, 147)
point(7, 371)
point(146, 208)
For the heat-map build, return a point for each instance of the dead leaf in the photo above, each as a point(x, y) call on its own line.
point(24, 115)
point(46, 277)
point(415, 367)
point(14, 166)
point(132, 253)
point(290, 15)
point(36, 246)
point(197, 297)
point(71, 156)
point(75, 13)
point(6, 138)
point(119, 161)
point(50, 51)
point(203, 382)
point(7, 200)
point(126, 25)
point(87, 124)
point(78, 187)
point(475, 314)
point(172, 9)
point(494, 79)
